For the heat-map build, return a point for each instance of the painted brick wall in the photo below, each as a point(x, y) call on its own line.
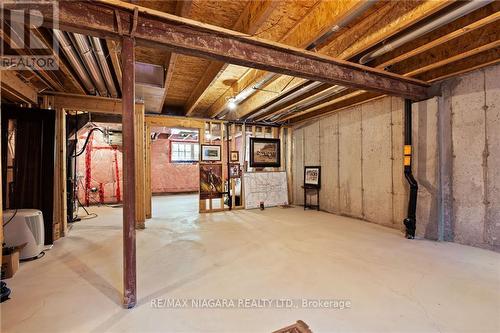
point(169, 177)
point(103, 163)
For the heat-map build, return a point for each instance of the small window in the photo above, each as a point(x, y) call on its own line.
point(184, 152)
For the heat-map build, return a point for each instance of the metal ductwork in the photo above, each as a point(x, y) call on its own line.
point(434, 24)
point(101, 58)
point(285, 99)
point(88, 58)
point(315, 99)
point(74, 60)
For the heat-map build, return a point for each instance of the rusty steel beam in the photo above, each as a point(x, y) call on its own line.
point(129, 202)
point(113, 19)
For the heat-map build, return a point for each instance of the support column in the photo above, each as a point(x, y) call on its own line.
point(129, 201)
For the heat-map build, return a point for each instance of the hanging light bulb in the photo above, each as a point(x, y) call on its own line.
point(231, 104)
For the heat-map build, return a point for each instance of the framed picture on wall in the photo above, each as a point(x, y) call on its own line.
point(235, 156)
point(312, 176)
point(210, 153)
point(211, 184)
point(265, 153)
point(234, 170)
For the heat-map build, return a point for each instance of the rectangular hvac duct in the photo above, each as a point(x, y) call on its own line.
point(149, 74)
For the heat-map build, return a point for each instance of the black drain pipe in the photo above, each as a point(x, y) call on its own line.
point(410, 221)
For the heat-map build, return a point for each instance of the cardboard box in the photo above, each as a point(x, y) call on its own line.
point(10, 265)
point(10, 261)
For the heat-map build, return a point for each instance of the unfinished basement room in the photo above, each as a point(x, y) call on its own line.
point(244, 166)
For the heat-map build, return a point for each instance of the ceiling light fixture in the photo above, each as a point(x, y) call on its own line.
point(231, 103)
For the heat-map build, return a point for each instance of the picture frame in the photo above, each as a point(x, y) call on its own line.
point(265, 153)
point(234, 170)
point(211, 182)
point(235, 156)
point(210, 153)
point(312, 176)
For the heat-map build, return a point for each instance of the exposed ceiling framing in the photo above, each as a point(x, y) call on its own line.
point(153, 28)
point(239, 62)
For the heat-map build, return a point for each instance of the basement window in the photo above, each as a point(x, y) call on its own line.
point(184, 152)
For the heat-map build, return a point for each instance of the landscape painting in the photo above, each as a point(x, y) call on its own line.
point(210, 153)
point(264, 153)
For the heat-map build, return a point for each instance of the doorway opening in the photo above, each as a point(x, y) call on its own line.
point(174, 170)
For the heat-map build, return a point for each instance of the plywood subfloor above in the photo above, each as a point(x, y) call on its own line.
point(279, 23)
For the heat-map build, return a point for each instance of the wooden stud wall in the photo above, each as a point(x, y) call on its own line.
point(60, 211)
point(140, 164)
point(203, 140)
point(193, 123)
point(147, 173)
point(234, 132)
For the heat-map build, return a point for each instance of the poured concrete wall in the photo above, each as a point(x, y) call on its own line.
point(456, 141)
point(474, 105)
point(361, 173)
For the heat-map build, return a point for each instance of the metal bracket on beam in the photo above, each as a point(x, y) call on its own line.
point(134, 22)
point(118, 22)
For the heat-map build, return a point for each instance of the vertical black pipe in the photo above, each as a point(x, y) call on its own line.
point(228, 160)
point(410, 221)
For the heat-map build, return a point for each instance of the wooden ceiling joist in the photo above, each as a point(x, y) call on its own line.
point(44, 75)
point(388, 20)
point(115, 60)
point(11, 84)
point(441, 40)
point(189, 37)
point(87, 103)
point(478, 35)
point(462, 63)
point(322, 17)
point(252, 18)
point(419, 66)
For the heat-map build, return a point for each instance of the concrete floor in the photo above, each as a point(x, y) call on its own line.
point(394, 284)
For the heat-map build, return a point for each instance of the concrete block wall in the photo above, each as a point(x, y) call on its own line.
point(456, 140)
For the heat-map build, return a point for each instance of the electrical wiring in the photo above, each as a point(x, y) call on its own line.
point(11, 218)
point(87, 140)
